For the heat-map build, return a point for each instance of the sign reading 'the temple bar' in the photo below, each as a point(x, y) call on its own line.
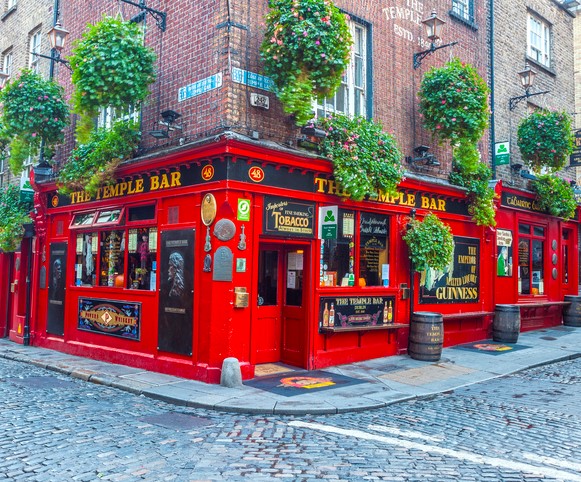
point(288, 218)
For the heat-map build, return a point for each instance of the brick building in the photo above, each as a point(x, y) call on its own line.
point(205, 201)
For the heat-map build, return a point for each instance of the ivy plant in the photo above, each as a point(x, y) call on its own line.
point(34, 112)
point(305, 50)
point(92, 164)
point(430, 243)
point(365, 158)
point(545, 139)
point(111, 67)
point(555, 196)
point(14, 213)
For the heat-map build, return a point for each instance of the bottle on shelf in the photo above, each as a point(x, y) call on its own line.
point(385, 313)
point(390, 313)
point(326, 315)
point(332, 315)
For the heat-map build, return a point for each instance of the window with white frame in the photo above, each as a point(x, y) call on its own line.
point(539, 40)
point(10, 4)
point(34, 49)
point(7, 59)
point(350, 98)
point(109, 115)
point(464, 9)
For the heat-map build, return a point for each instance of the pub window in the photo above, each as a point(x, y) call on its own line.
point(531, 257)
point(361, 256)
point(142, 246)
point(141, 213)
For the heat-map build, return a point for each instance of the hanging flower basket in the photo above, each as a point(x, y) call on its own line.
point(305, 50)
point(430, 243)
point(545, 139)
point(454, 102)
point(555, 196)
point(365, 159)
point(34, 111)
point(111, 67)
point(14, 214)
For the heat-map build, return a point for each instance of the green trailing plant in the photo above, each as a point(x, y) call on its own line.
point(305, 50)
point(14, 213)
point(111, 67)
point(545, 139)
point(365, 158)
point(34, 112)
point(454, 102)
point(474, 176)
point(555, 196)
point(92, 164)
point(430, 243)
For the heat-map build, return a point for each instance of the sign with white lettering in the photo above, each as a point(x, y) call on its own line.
point(328, 222)
point(200, 87)
point(502, 153)
point(288, 218)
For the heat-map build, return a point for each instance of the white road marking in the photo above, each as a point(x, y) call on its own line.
point(457, 454)
point(565, 464)
point(404, 433)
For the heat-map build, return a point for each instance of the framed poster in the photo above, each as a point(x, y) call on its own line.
point(56, 288)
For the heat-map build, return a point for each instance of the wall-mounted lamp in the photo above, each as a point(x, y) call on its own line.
point(423, 156)
point(527, 78)
point(168, 119)
point(312, 131)
point(434, 26)
point(57, 37)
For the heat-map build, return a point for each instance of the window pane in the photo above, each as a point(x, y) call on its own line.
point(337, 254)
point(86, 263)
point(111, 216)
point(142, 213)
point(524, 229)
point(112, 259)
point(267, 278)
point(538, 231)
point(142, 246)
point(294, 277)
point(538, 287)
point(524, 267)
point(84, 219)
point(373, 249)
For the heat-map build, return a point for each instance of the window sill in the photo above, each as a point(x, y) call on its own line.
point(544, 68)
point(459, 18)
point(8, 12)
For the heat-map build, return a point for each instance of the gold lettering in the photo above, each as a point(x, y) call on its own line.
point(138, 185)
point(154, 183)
point(176, 178)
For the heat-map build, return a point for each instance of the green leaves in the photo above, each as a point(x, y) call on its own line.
point(555, 196)
point(430, 243)
point(305, 50)
point(93, 164)
point(13, 214)
point(111, 67)
point(454, 102)
point(545, 139)
point(365, 159)
point(34, 111)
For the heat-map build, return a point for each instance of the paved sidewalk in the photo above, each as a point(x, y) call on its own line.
point(380, 382)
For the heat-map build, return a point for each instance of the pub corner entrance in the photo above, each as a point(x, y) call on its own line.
point(280, 320)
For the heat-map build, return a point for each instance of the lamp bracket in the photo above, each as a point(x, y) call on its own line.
point(419, 56)
point(55, 57)
point(514, 101)
point(160, 17)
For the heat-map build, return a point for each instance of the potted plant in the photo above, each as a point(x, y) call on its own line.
point(111, 68)
point(14, 214)
point(454, 107)
point(430, 243)
point(545, 139)
point(555, 196)
point(34, 112)
point(93, 163)
point(305, 50)
point(365, 158)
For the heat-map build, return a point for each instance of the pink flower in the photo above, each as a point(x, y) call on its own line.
point(323, 55)
point(34, 134)
point(438, 126)
point(453, 119)
point(443, 101)
point(31, 109)
point(317, 42)
point(305, 33)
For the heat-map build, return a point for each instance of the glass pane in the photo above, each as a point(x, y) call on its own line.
point(358, 72)
point(85, 219)
point(112, 259)
point(373, 250)
point(537, 271)
point(294, 278)
point(267, 278)
point(565, 264)
point(524, 228)
point(141, 248)
point(336, 262)
point(110, 216)
point(142, 213)
point(86, 264)
point(524, 267)
point(340, 99)
point(538, 231)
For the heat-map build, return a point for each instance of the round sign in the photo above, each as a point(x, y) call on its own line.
point(224, 230)
point(209, 209)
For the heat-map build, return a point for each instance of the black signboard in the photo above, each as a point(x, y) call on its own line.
point(519, 202)
point(176, 286)
point(353, 311)
point(283, 217)
point(575, 157)
point(56, 289)
point(110, 317)
point(457, 283)
point(373, 230)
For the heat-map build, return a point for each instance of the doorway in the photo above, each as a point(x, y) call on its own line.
point(280, 325)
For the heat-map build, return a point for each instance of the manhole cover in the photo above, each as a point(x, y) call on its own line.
point(176, 421)
point(42, 382)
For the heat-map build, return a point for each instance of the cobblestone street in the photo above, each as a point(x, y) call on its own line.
point(523, 427)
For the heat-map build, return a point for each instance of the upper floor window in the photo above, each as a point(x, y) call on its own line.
point(10, 4)
point(351, 96)
point(464, 9)
point(34, 48)
point(109, 115)
point(7, 59)
point(539, 40)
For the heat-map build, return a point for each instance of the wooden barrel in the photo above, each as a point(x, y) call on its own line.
point(506, 325)
point(426, 336)
point(572, 312)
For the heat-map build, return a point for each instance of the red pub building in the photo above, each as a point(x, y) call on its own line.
point(231, 240)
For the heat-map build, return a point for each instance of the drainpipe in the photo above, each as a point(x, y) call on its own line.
point(492, 109)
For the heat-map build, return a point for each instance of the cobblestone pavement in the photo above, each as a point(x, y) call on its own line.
point(525, 427)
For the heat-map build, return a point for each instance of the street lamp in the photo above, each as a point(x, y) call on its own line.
point(434, 25)
point(57, 37)
point(527, 78)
